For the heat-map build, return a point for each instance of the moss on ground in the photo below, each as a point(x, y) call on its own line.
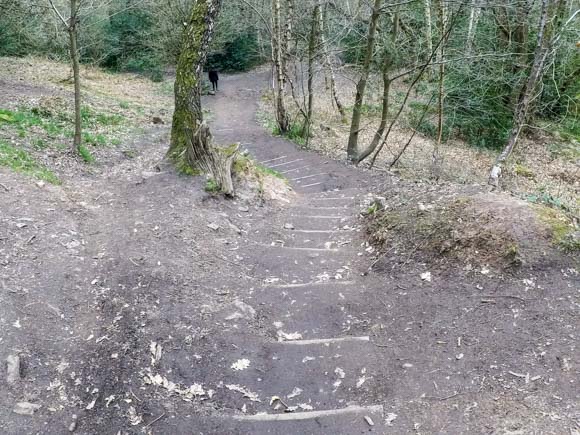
point(450, 230)
point(21, 161)
point(562, 227)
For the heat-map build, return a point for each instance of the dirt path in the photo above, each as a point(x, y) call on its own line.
point(131, 316)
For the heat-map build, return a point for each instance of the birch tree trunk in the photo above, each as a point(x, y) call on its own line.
point(472, 26)
point(328, 63)
point(191, 147)
point(311, 56)
point(352, 147)
point(287, 36)
point(428, 26)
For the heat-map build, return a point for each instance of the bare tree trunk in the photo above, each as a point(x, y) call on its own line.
point(286, 38)
point(436, 150)
point(288, 34)
point(352, 148)
point(311, 55)
point(71, 26)
point(386, 71)
point(520, 47)
point(526, 95)
point(282, 118)
point(191, 146)
point(74, 55)
point(328, 63)
point(384, 115)
point(472, 26)
point(428, 26)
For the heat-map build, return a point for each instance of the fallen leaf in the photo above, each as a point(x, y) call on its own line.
point(361, 381)
point(247, 393)
point(295, 392)
point(289, 336)
point(241, 364)
point(390, 418)
point(134, 418)
point(213, 226)
point(156, 351)
point(26, 408)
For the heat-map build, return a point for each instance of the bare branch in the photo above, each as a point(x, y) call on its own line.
point(58, 14)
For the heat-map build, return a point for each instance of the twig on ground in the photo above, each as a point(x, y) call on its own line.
point(502, 296)
point(4, 187)
point(482, 383)
point(456, 393)
point(154, 421)
point(99, 197)
point(133, 394)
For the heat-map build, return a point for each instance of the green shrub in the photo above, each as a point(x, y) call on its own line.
point(295, 132)
point(239, 54)
point(481, 113)
point(129, 44)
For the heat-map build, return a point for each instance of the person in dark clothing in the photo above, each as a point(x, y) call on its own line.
point(213, 78)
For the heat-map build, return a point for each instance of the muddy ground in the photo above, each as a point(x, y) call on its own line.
point(138, 303)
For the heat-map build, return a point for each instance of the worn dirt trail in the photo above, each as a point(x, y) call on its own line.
point(133, 316)
point(310, 293)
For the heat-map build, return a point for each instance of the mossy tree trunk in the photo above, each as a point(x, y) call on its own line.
point(191, 146)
